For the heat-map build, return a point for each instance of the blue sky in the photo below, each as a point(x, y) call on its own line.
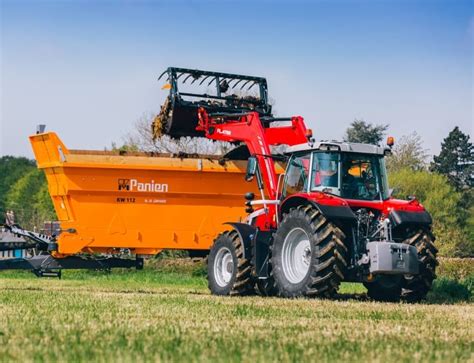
point(88, 69)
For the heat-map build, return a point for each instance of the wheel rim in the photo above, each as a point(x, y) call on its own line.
point(296, 255)
point(223, 267)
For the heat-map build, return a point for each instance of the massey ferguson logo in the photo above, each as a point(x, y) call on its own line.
point(134, 185)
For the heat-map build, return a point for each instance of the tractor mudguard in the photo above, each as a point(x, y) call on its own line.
point(331, 212)
point(406, 218)
point(247, 234)
point(336, 212)
point(256, 246)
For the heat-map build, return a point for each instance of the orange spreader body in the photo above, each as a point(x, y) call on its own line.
point(106, 202)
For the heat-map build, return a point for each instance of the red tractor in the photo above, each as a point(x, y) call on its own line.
point(329, 218)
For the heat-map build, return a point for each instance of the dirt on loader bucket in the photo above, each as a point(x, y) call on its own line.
point(190, 89)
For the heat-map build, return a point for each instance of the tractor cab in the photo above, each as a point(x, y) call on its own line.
point(347, 170)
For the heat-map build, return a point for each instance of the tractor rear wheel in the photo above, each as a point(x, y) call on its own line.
point(410, 288)
point(228, 271)
point(308, 256)
point(416, 287)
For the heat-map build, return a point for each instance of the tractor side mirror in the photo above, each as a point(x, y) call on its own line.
point(251, 168)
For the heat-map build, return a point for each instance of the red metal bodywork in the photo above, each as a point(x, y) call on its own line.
point(248, 128)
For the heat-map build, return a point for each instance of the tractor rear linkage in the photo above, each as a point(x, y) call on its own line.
point(46, 265)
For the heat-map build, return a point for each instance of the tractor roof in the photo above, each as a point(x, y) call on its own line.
point(350, 147)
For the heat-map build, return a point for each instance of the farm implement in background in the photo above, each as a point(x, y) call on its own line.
point(43, 264)
point(324, 212)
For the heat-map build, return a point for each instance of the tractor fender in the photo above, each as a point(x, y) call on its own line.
point(247, 234)
point(256, 246)
point(331, 212)
point(410, 218)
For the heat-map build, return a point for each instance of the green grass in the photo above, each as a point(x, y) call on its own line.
point(170, 316)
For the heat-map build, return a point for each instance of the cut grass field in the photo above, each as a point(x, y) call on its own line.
point(170, 316)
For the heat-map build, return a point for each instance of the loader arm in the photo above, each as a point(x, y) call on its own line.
point(249, 128)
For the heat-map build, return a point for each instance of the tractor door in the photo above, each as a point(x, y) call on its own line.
point(325, 172)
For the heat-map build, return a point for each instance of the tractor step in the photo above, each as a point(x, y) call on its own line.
point(47, 273)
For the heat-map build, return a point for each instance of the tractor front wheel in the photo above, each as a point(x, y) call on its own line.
point(228, 271)
point(416, 287)
point(409, 288)
point(387, 288)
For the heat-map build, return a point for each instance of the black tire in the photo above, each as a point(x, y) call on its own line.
point(326, 255)
point(241, 281)
point(409, 288)
point(416, 287)
point(387, 288)
point(266, 287)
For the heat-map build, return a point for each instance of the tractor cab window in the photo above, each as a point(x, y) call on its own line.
point(363, 177)
point(325, 172)
point(296, 179)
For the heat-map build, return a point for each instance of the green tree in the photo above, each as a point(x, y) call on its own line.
point(30, 200)
point(364, 132)
point(456, 160)
point(407, 153)
point(11, 170)
point(443, 202)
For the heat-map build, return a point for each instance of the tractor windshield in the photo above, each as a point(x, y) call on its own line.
point(350, 175)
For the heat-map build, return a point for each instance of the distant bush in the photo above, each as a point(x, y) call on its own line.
point(450, 291)
point(455, 268)
point(469, 283)
point(444, 204)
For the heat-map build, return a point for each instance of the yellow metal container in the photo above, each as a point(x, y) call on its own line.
point(106, 202)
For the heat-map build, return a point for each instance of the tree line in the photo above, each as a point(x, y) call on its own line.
point(444, 185)
point(23, 189)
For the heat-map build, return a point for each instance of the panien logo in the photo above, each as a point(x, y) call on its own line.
point(124, 184)
point(133, 185)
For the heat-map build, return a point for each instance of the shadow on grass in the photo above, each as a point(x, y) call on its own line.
point(444, 291)
point(355, 297)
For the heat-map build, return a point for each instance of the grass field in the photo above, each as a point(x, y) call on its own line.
point(170, 316)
